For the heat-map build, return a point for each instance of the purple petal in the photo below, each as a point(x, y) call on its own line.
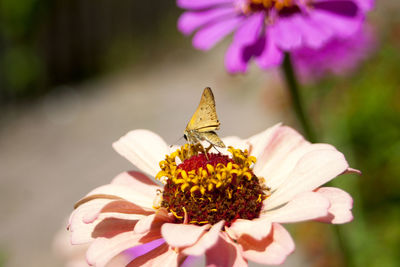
point(290, 11)
point(234, 61)
point(340, 26)
point(285, 33)
point(210, 35)
point(345, 8)
point(199, 4)
point(364, 5)
point(142, 249)
point(338, 56)
point(250, 30)
point(271, 55)
point(312, 34)
point(236, 58)
point(329, 18)
point(192, 261)
point(190, 21)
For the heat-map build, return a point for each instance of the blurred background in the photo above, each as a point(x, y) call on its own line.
point(75, 75)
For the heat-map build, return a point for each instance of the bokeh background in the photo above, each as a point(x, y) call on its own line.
point(75, 75)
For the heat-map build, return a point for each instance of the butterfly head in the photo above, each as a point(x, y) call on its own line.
point(190, 136)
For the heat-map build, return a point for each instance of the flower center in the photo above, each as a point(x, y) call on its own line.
point(257, 5)
point(208, 188)
point(273, 7)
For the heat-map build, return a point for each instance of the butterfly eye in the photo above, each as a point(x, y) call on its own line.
point(184, 136)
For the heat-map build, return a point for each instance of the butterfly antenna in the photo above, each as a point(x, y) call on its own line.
point(176, 141)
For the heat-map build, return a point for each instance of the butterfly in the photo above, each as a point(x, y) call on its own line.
point(204, 122)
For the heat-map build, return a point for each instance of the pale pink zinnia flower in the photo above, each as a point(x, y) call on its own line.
point(228, 206)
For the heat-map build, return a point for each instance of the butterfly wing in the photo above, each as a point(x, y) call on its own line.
point(205, 117)
point(213, 139)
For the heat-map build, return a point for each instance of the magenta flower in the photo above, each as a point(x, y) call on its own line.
point(228, 206)
point(265, 29)
point(339, 56)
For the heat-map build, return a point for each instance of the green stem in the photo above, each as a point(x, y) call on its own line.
point(344, 248)
point(298, 107)
point(293, 87)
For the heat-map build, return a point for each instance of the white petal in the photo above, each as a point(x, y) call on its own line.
point(313, 170)
point(305, 206)
point(144, 149)
point(206, 241)
point(282, 149)
point(341, 205)
point(182, 235)
point(257, 228)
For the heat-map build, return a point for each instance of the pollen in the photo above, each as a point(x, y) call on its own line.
point(201, 189)
point(267, 5)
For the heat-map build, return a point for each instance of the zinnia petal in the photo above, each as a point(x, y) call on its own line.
point(137, 181)
point(124, 192)
point(277, 146)
point(337, 56)
point(132, 186)
point(206, 241)
point(211, 34)
point(313, 35)
point(305, 206)
point(160, 256)
point(259, 141)
point(271, 55)
point(182, 235)
point(102, 250)
point(271, 250)
point(143, 148)
point(153, 221)
point(200, 4)
point(285, 33)
point(127, 256)
point(282, 147)
point(190, 21)
point(313, 170)
point(341, 204)
point(247, 34)
point(343, 27)
point(126, 207)
point(257, 228)
point(111, 227)
point(347, 8)
point(81, 232)
point(225, 253)
point(235, 142)
point(120, 209)
point(365, 5)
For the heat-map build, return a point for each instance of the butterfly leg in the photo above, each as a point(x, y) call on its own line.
point(209, 147)
point(205, 151)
